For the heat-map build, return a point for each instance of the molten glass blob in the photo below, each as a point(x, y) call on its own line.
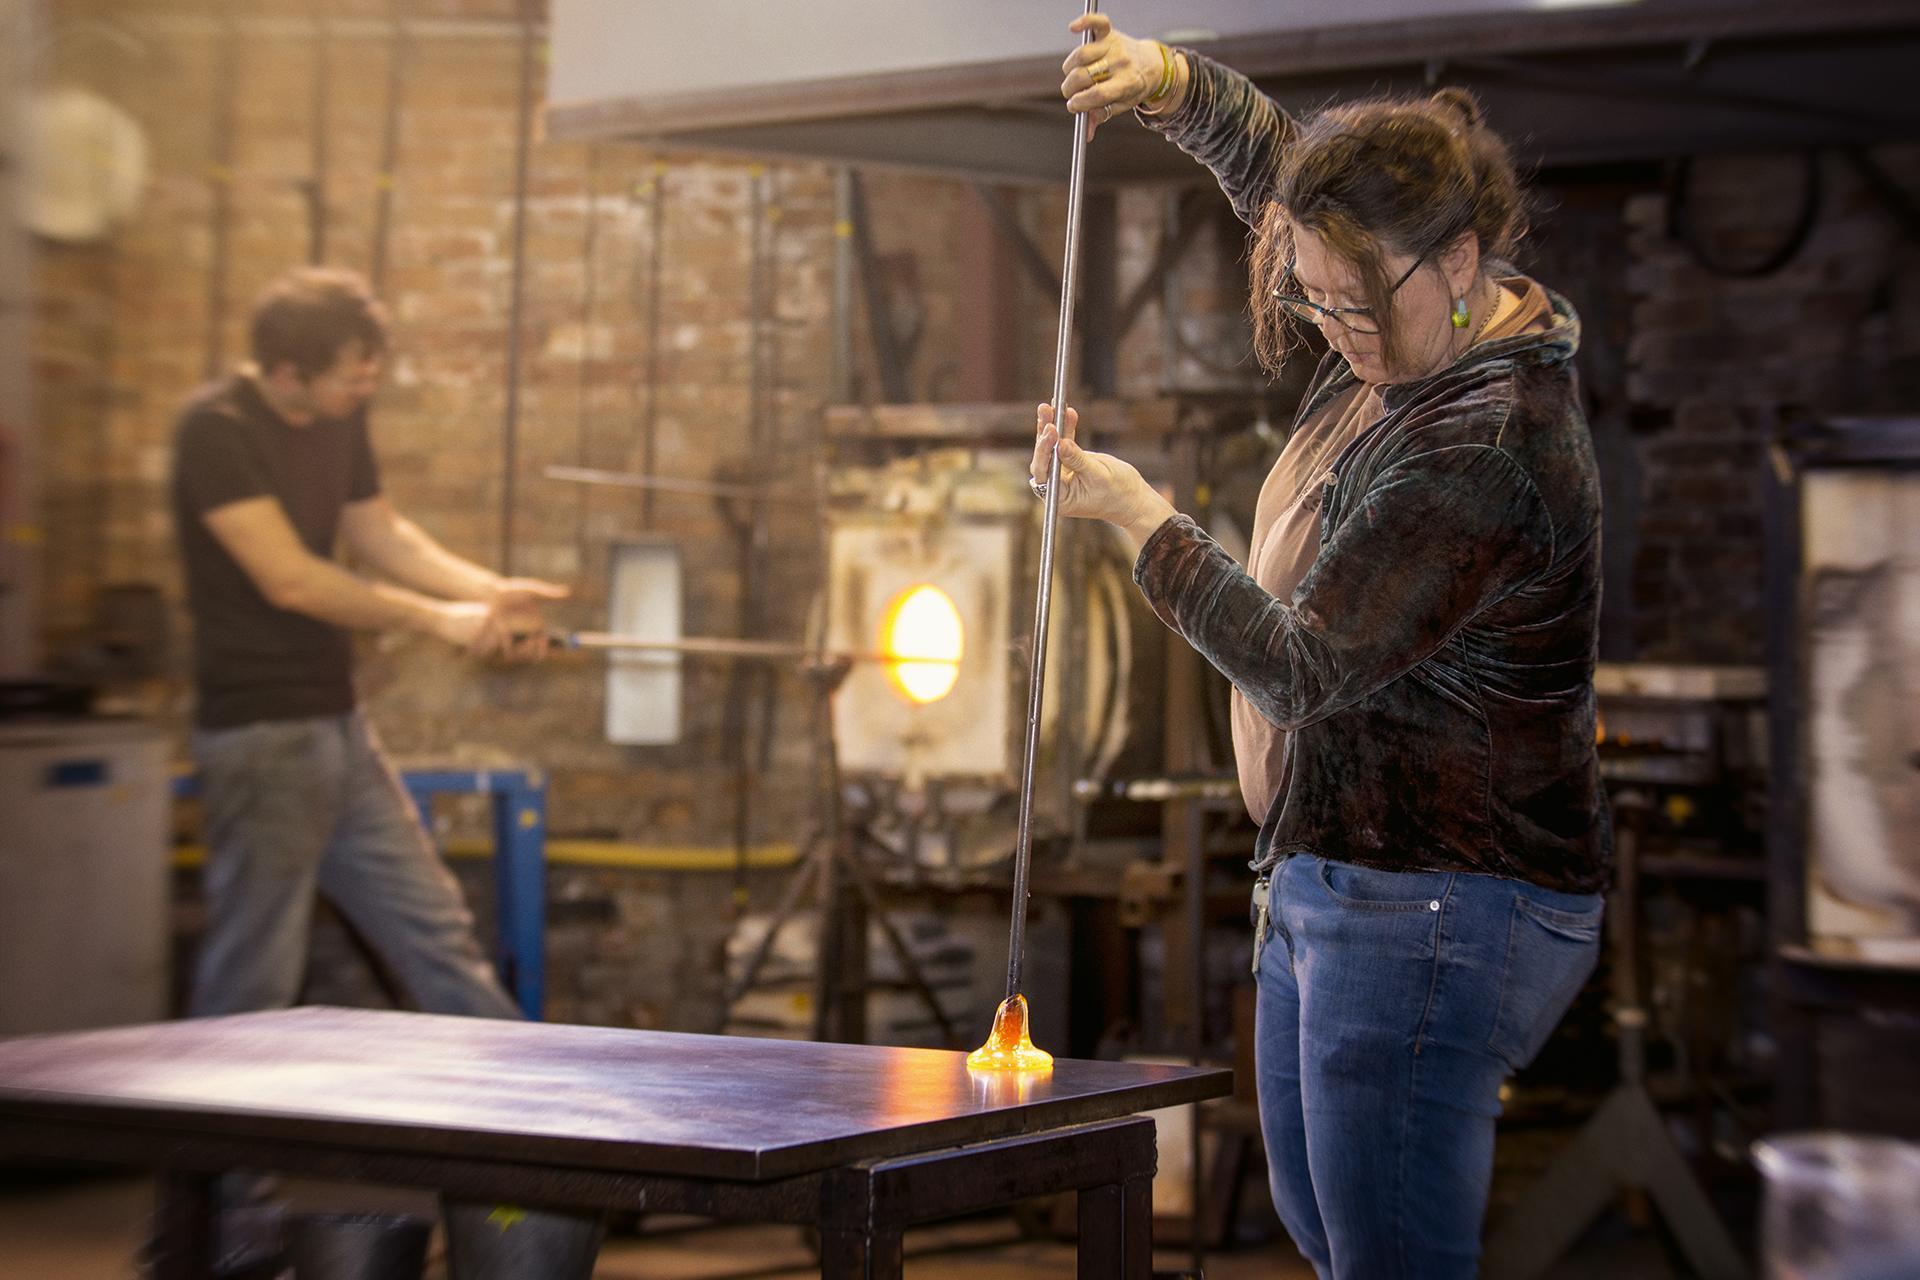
point(923, 633)
point(1010, 1047)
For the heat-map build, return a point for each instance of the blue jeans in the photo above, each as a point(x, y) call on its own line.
point(1392, 1005)
point(298, 807)
point(294, 808)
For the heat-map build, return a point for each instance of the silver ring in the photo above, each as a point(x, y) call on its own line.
point(1039, 488)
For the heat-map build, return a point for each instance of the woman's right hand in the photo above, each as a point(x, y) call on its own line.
point(1096, 486)
point(1112, 72)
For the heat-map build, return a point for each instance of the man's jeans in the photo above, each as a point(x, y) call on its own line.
point(292, 807)
point(1392, 1005)
point(295, 807)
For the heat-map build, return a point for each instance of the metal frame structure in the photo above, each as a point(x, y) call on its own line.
point(1674, 78)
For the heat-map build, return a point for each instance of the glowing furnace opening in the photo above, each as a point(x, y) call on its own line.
point(922, 630)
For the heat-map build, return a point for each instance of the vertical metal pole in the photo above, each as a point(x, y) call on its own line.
point(389, 149)
point(583, 384)
point(1036, 676)
point(21, 558)
point(322, 108)
point(656, 190)
point(510, 429)
point(843, 286)
point(1196, 885)
point(220, 186)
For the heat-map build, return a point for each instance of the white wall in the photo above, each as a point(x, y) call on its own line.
point(647, 48)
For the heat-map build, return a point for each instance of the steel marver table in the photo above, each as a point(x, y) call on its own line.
point(858, 1140)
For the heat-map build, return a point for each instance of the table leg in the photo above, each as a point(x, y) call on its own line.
point(183, 1227)
point(861, 1255)
point(1116, 1230)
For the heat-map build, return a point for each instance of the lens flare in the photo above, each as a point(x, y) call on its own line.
point(923, 633)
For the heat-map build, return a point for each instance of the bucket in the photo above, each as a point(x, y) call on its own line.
point(358, 1246)
point(487, 1241)
point(1840, 1207)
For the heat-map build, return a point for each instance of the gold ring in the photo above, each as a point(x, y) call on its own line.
point(1099, 71)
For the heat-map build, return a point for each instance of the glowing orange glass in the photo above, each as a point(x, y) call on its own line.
point(1011, 1047)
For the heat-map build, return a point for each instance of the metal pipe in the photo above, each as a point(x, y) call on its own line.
point(583, 381)
point(220, 184)
point(1036, 677)
point(668, 484)
point(22, 564)
point(714, 647)
point(646, 290)
point(322, 107)
point(389, 149)
point(516, 299)
point(842, 362)
point(1157, 790)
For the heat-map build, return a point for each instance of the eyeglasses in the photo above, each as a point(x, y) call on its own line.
point(1354, 319)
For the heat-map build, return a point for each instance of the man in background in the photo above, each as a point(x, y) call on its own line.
point(273, 470)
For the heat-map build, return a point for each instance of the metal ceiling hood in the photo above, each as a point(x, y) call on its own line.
point(971, 90)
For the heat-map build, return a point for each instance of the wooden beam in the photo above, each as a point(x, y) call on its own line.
point(1281, 53)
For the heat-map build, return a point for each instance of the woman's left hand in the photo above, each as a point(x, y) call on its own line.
point(1096, 486)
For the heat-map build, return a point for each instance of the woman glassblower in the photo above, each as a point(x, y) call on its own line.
point(1411, 644)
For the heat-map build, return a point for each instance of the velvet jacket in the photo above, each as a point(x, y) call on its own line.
point(1434, 669)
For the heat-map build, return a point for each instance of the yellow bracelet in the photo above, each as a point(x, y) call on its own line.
point(1166, 76)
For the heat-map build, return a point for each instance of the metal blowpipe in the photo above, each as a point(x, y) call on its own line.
point(1036, 678)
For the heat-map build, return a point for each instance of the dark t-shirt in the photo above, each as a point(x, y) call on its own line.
point(252, 660)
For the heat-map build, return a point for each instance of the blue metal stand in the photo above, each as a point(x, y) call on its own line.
point(519, 862)
point(519, 865)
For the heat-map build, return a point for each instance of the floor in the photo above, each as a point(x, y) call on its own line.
point(88, 1230)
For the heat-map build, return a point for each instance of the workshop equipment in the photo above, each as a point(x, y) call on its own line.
point(84, 911)
point(1843, 584)
point(1625, 1146)
point(937, 780)
point(1840, 1205)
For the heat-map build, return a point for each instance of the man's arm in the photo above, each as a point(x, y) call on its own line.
point(401, 549)
point(260, 538)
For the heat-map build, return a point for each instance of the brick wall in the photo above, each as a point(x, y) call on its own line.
point(1716, 364)
point(1703, 367)
point(123, 337)
point(124, 333)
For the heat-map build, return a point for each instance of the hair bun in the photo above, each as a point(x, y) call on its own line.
point(1461, 104)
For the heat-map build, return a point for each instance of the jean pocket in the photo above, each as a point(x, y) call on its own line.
point(1367, 889)
point(1550, 953)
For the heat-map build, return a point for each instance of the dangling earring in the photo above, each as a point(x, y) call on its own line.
point(1460, 315)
